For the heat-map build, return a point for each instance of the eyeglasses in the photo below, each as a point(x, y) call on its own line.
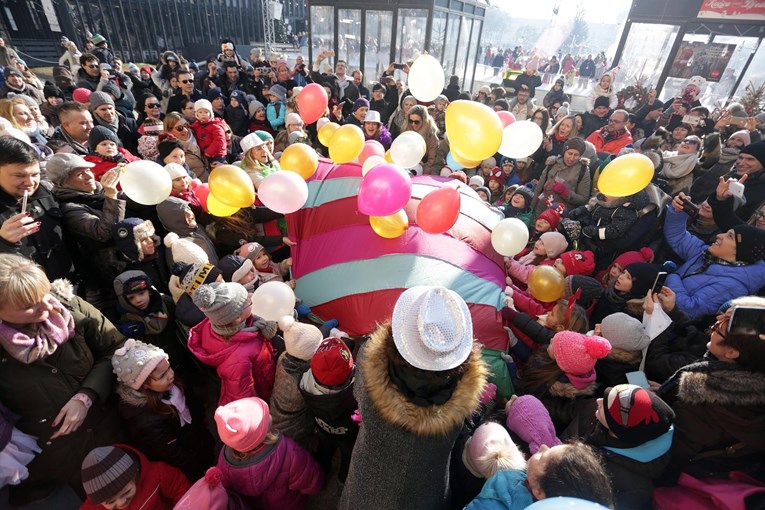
point(614, 121)
point(91, 66)
point(181, 129)
point(759, 214)
point(152, 105)
point(416, 122)
point(691, 141)
point(186, 81)
point(719, 327)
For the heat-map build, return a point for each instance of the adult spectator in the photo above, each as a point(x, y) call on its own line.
point(299, 73)
point(717, 161)
point(398, 121)
point(587, 68)
point(124, 101)
point(358, 112)
point(565, 179)
point(345, 86)
point(210, 76)
point(374, 129)
point(522, 106)
point(17, 112)
point(148, 107)
point(678, 166)
point(750, 163)
point(722, 204)
point(101, 50)
point(732, 266)
point(595, 119)
point(7, 55)
point(420, 121)
point(282, 75)
point(530, 78)
point(358, 78)
point(614, 136)
point(557, 135)
point(14, 83)
point(186, 92)
point(89, 74)
point(143, 84)
point(76, 124)
point(377, 103)
point(177, 126)
point(36, 233)
point(71, 57)
point(453, 91)
point(234, 79)
point(106, 115)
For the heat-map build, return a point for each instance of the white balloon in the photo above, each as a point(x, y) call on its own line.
point(321, 122)
point(146, 182)
point(371, 162)
point(521, 139)
point(426, 78)
point(408, 149)
point(284, 192)
point(509, 237)
point(272, 300)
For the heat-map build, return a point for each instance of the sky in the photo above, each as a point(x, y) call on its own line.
point(608, 11)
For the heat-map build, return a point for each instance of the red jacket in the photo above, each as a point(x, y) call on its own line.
point(211, 137)
point(611, 146)
point(160, 485)
point(103, 165)
point(245, 362)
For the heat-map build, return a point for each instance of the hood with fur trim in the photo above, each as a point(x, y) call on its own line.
point(718, 386)
point(398, 411)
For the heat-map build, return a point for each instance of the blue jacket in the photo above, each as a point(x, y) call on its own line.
point(506, 490)
point(704, 293)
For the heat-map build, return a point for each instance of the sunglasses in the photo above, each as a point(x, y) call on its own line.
point(152, 105)
point(415, 121)
point(181, 129)
point(91, 66)
point(186, 81)
point(690, 141)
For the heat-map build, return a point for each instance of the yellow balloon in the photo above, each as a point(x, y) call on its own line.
point(391, 226)
point(388, 157)
point(465, 162)
point(346, 144)
point(625, 175)
point(326, 131)
point(301, 159)
point(546, 284)
point(231, 186)
point(217, 208)
point(473, 129)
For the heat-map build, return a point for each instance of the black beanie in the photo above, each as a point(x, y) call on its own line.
point(503, 104)
point(165, 147)
point(635, 414)
point(98, 134)
point(643, 275)
point(750, 243)
point(757, 150)
point(601, 101)
point(575, 143)
point(51, 90)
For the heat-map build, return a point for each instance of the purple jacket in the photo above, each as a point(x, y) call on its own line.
point(384, 137)
point(280, 477)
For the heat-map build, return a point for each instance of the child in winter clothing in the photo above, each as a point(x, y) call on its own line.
point(509, 175)
point(258, 120)
point(105, 151)
point(276, 110)
point(147, 143)
point(209, 132)
point(140, 249)
point(258, 161)
point(616, 268)
point(238, 269)
point(266, 268)
point(179, 219)
point(182, 188)
point(289, 414)
point(120, 476)
point(160, 419)
point(633, 430)
point(528, 418)
point(145, 312)
point(237, 113)
point(627, 293)
point(629, 343)
point(438, 113)
point(186, 279)
point(266, 468)
point(235, 342)
point(519, 205)
point(491, 454)
point(496, 186)
point(547, 221)
point(327, 388)
point(208, 493)
point(604, 88)
point(546, 249)
point(564, 373)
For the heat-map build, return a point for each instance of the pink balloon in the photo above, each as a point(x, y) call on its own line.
point(283, 192)
point(371, 148)
point(201, 191)
point(384, 190)
point(506, 118)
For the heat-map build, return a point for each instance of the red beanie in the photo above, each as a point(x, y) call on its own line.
point(578, 262)
point(332, 362)
point(81, 95)
point(551, 216)
point(633, 257)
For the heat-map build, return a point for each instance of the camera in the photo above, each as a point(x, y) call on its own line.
point(736, 188)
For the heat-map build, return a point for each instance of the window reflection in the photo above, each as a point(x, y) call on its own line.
point(645, 53)
point(349, 37)
point(468, 83)
point(410, 41)
point(379, 26)
point(438, 34)
point(322, 29)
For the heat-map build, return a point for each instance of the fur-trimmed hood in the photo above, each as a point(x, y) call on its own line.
point(714, 384)
point(400, 412)
point(62, 289)
point(567, 390)
point(130, 396)
point(624, 356)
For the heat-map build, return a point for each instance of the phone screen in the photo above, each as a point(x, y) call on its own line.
point(637, 378)
point(747, 321)
point(659, 283)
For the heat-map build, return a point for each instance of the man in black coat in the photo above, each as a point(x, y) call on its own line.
point(187, 91)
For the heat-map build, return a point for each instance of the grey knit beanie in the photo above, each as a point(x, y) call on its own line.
point(624, 332)
point(98, 98)
point(222, 303)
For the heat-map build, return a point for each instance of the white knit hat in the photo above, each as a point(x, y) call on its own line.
point(476, 180)
point(184, 250)
point(175, 170)
point(300, 340)
point(204, 104)
point(432, 328)
point(292, 118)
point(250, 141)
point(135, 361)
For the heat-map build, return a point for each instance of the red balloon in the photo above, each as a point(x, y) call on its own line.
point(312, 102)
point(506, 118)
point(371, 148)
point(201, 191)
point(438, 210)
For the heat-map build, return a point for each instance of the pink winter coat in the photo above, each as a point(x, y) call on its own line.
point(245, 362)
point(279, 478)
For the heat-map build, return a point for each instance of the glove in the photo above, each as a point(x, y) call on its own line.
point(590, 231)
point(560, 189)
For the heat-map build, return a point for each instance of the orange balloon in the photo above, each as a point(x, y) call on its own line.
point(301, 159)
point(326, 132)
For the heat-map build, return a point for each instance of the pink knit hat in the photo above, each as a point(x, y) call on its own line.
point(576, 353)
point(207, 492)
point(555, 244)
point(243, 424)
point(530, 420)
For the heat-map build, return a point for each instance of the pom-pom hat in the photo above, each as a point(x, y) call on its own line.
point(243, 424)
point(300, 340)
point(635, 414)
point(135, 361)
point(432, 328)
point(576, 353)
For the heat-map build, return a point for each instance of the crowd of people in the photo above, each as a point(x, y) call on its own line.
point(135, 374)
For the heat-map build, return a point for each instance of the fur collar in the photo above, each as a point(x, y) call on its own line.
point(567, 390)
point(130, 396)
point(722, 387)
point(62, 289)
point(623, 356)
point(398, 411)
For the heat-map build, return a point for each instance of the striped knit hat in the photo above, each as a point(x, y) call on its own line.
point(106, 471)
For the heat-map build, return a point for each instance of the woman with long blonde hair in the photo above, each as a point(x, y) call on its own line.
point(419, 120)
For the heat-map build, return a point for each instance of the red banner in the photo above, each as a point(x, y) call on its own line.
point(733, 9)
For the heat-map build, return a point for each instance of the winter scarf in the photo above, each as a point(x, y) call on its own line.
point(678, 165)
point(612, 135)
point(77, 146)
point(728, 155)
point(418, 391)
point(191, 146)
point(118, 158)
point(177, 399)
point(57, 329)
point(112, 126)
